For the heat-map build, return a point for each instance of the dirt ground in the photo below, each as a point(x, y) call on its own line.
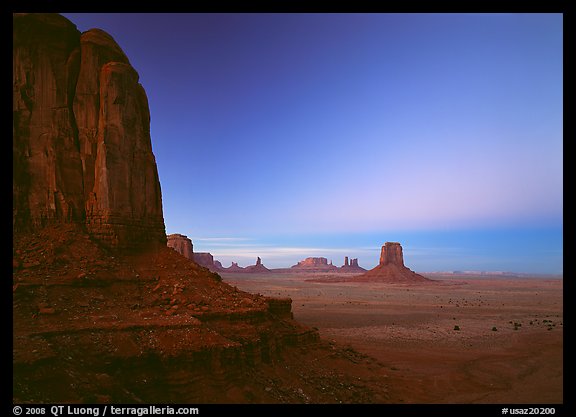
point(459, 340)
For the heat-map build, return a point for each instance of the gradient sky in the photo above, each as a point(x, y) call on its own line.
point(292, 135)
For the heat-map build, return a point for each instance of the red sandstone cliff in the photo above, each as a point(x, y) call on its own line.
point(81, 135)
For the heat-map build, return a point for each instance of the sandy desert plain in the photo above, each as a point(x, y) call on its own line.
point(508, 349)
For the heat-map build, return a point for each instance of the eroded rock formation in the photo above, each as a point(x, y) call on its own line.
point(314, 264)
point(391, 268)
point(351, 266)
point(81, 135)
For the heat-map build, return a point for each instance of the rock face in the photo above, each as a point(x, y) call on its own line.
point(81, 135)
point(392, 254)
point(313, 262)
point(391, 268)
point(181, 244)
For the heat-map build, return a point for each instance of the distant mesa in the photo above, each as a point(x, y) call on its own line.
point(314, 265)
point(321, 264)
point(391, 268)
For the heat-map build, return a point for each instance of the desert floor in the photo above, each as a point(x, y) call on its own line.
point(508, 349)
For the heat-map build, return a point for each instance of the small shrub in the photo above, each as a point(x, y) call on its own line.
point(494, 329)
point(456, 327)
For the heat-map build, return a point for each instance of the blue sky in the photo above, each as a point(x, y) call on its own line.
point(294, 135)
